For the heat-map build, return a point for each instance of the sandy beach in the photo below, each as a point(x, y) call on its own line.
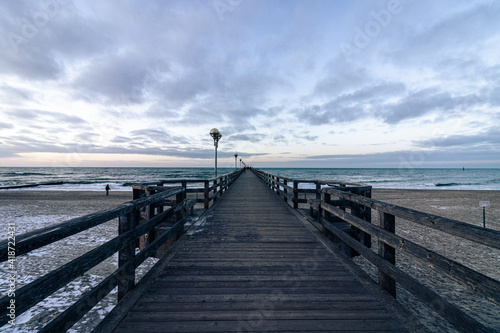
point(37, 209)
point(458, 205)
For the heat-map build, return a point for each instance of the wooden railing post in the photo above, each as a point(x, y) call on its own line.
point(318, 191)
point(278, 185)
point(325, 216)
point(295, 194)
point(179, 198)
point(127, 279)
point(159, 208)
point(142, 242)
point(216, 185)
point(387, 222)
point(206, 194)
point(285, 190)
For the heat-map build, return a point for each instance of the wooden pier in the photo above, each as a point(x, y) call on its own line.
point(268, 253)
point(254, 266)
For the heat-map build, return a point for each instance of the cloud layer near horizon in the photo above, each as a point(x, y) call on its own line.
point(321, 83)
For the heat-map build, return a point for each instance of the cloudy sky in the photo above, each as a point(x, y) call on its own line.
point(382, 83)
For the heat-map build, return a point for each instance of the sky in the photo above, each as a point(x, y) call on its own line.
point(381, 83)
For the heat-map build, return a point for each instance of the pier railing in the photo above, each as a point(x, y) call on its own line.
point(162, 212)
point(344, 213)
point(206, 191)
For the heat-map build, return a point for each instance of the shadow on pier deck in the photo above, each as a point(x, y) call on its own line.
point(252, 266)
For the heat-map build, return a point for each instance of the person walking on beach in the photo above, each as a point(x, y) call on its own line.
point(107, 189)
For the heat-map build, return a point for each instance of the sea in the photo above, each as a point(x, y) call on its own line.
point(121, 179)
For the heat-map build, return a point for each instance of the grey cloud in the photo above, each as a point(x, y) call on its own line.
point(159, 137)
point(489, 138)
point(121, 139)
point(404, 159)
point(459, 32)
point(117, 79)
point(350, 106)
point(14, 95)
point(6, 125)
point(50, 116)
point(340, 77)
point(251, 137)
point(376, 91)
point(425, 101)
point(310, 137)
point(280, 138)
point(40, 50)
point(329, 113)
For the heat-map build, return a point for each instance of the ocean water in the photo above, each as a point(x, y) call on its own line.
point(120, 179)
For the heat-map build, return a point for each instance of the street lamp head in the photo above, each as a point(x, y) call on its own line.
point(216, 135)
point(235, 155)
point(214, 132)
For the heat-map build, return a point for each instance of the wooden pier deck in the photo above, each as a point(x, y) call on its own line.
point(254, 266)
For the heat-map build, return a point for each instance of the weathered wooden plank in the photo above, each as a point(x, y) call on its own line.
point(256, 322)
point(235, 314)
point(248, 305)
point(273, 296)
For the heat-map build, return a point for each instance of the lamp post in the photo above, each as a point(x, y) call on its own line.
point(240, 163)
point(216, 135)
point(235, 161)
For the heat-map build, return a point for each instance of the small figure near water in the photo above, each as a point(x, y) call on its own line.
point(107, 189)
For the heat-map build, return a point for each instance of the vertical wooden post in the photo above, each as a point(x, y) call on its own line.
point(367, 215)
point(318, 191)
point(278, 185)
point(127, 278)
point(206, 194)
point(387, 222)
point(285, 190)
point(150, 213)
point(178, 200)
point(159, 208)
point(325, 198)
point(216, 183)
point(295, 194)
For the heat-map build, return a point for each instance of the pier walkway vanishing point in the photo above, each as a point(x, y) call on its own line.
point(252, 266)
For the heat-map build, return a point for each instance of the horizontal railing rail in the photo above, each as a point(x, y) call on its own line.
point(161, 211)
point(344, 213)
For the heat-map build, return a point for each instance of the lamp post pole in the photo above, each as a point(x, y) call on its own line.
point(216, 135)
point(235, 161)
